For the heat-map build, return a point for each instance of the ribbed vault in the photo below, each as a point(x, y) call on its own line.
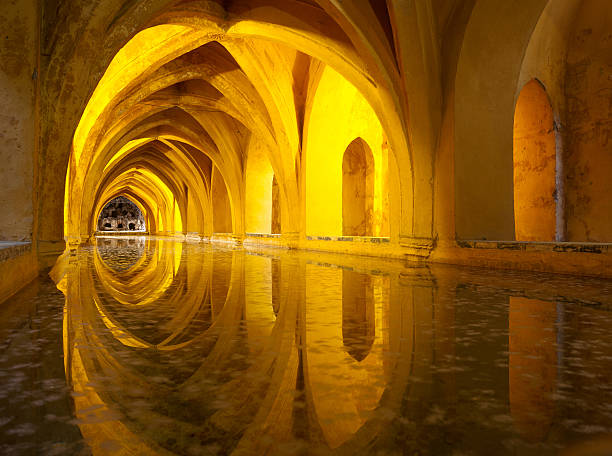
point(207, 91)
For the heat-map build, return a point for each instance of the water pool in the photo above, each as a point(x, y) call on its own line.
point(155, 346)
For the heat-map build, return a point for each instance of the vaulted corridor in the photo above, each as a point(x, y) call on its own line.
point(268, 219)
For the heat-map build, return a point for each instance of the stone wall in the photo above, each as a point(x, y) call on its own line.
point(120, 214)
point(18, 88)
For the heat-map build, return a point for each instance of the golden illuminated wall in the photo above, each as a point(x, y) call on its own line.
point(259, 175)
point(534, 162)
point(337, 117)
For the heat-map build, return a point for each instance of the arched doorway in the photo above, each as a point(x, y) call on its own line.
point(357, 189)
point(534, 164)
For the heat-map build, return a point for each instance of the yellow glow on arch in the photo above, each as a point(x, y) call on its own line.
point(130, 146)
point(178, 222)
point(151, 45)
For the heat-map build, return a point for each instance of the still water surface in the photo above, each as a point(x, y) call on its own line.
point(166, 347)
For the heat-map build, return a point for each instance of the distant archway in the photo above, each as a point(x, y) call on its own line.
point(357, 189)
point(121, 214)
point(534, 159)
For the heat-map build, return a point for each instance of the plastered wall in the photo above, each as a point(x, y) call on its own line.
point(18, 116)
point(588, 89)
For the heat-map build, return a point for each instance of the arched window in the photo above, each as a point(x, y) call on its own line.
point(534, 159)
point(357, 189)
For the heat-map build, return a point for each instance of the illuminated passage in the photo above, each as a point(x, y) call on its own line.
point(180, 348)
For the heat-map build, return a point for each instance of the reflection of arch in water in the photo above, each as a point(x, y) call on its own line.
point(262, 385)
point(344, 381)
point(180, 292)
point(141, 284)
point(108, 364)
point(532, 365)
point(131, 250)
point(358, 314)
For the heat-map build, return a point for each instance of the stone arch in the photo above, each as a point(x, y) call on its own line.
point(488, 72)
point(325, 37)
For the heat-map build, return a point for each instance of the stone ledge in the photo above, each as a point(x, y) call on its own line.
point(362, 239)
point(10, 249)
point(262, 235)
point(562, 247)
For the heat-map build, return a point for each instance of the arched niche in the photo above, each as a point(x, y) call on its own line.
point(534, 165)
point(222, 214)
point(357, 189)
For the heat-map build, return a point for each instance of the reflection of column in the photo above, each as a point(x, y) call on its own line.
point(532, 365)
point(358, 318)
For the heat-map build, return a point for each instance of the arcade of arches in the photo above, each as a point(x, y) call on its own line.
point(289, 186)
point(387, 129)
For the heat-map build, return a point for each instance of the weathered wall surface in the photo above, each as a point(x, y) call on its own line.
point(18, 126)
point(17, 271)
point(534, 166)
point(588, 87)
